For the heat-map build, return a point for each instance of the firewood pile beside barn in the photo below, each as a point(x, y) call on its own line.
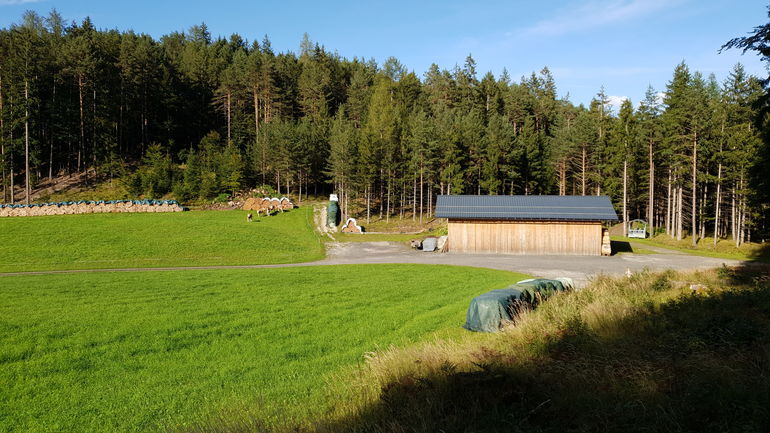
point(540, 224)
point(267, 204)
point(87, 206)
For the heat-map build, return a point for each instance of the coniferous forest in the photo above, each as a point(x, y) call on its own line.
point(193, 117)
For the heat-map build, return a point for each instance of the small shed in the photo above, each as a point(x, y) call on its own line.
point(532, 224)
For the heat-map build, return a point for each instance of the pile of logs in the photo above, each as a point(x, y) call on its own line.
point(87, 206)
point(268, 205)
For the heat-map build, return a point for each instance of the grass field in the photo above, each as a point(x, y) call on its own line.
point(724, 249)
point(143, 240)
point(140, 351)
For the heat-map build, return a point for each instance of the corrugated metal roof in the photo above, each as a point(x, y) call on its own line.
point(526, 207)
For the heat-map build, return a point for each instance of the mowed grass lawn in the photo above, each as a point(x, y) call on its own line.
point(138, 351)
point(197, 238)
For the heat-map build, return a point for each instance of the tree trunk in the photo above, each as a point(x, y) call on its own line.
point(701, 206)
point(694, 219)
point(625, 197)
point(27, 187)
point(421, 192)
point(229, 134)
point(680, 213)
point(583, 172)
point(732, 214)
point(717, 203)
point(2, 142)
point(430, 200)
point(381, 196)
point(50, 159)
point(256, 112)
point(387, 212)
point(741, 213)
point(668, 205)
point(414, 197)
point(368, 203)
point(651, 198)
point(82, 122)
point(13, 198)
point(93, 133)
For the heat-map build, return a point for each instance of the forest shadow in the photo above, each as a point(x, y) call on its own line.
point(699, 363)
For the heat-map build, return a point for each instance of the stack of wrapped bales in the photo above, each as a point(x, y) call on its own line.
point(85, 206)
point(492, 310)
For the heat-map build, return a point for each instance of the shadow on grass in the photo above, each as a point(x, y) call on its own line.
point(699, 363)
point(621, 247)
point(761, 253)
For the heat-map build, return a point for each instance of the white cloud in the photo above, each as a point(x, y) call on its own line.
point(615, 102)
point(595, 13)
point(17, 2)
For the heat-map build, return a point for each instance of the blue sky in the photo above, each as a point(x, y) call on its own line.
point(623, 45)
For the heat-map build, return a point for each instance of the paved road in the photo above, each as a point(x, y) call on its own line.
point(580, 268)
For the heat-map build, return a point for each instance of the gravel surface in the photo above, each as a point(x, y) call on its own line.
point(579, 268)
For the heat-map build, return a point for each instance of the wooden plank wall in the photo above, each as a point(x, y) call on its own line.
point(525, 237)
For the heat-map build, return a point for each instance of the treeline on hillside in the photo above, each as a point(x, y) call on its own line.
point(196, 117)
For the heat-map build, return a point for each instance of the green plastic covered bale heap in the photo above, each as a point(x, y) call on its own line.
point(490, 311)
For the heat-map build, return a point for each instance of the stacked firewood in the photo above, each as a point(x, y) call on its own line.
point(268, 205)
point(87, 206)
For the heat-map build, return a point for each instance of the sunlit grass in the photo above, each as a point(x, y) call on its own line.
point(725, 249)
point(138, 351)
point(196, 238)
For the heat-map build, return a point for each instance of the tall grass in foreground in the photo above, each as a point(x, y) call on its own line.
point(642, 354)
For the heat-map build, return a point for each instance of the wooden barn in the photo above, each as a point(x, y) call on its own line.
point(526, 224)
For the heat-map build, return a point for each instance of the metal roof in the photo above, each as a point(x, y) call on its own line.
point(526, 207)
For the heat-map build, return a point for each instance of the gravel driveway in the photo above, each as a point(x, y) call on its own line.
point(580, 268)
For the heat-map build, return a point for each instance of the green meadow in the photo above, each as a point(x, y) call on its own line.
point(198, 238)
point(172, 350)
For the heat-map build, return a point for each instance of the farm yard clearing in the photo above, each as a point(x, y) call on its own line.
point(132, 353)
point(175, 349)
point(223, 239)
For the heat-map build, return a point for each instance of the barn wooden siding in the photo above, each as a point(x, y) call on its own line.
point(525, 237)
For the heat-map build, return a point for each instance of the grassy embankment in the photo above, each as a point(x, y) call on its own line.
point(104, 190)
point(724, 249)
point(140, 351)
point(633, 355)
point(394, 230)
point(198, 238)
